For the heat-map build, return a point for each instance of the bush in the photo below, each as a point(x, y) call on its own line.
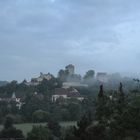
point(9, 131)
point(40, 116)
point(39, 133)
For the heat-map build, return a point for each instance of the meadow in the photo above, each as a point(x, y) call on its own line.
point(26, 127)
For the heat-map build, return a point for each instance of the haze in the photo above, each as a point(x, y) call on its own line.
point(46, 35)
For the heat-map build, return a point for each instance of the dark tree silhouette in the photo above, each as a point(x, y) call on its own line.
point(10, 131)
point(101, 91)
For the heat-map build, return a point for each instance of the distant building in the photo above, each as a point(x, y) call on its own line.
point(70, 68)
point(45, 76)
point(67, 85)
point(102, 77)
point(61, 93)
point(14, 98)
point(37, 81)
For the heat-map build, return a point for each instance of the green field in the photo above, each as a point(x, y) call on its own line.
point(26, 127)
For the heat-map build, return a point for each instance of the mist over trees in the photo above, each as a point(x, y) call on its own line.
point(106, 112)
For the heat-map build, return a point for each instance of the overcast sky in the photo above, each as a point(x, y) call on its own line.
point(46, 35)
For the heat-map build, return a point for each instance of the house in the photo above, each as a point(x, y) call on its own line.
point(66, 94)
point(59, 93)
point(17, 98)
point(74, 93)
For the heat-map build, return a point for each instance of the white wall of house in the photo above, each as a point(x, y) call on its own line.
point(80, 98)
point(55, 97)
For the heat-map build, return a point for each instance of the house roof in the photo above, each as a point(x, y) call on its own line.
point(61, 91)
point(71, 92)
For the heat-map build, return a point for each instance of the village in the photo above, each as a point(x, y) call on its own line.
point(67, 91)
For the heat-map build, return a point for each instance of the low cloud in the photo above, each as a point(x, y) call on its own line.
point(46, 35)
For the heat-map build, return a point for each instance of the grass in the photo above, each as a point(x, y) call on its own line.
point(26, 127)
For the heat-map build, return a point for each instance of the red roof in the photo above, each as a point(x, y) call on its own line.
point(71, 92)
point(61, 91)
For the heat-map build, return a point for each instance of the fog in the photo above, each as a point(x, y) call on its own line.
point(46, 35)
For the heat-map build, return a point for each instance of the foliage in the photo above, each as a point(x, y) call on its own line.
point(63, 75)
point(106, 114)
point(89, 74)
point(116, 118)
point(54, 128)
point(8, 122)
point(9, 131)
point(39, 133)
point(68, 133)
point(40, 116)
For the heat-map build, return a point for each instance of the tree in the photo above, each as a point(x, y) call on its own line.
point(55, 128)
point(101, 92)
point(121, 93)
point(9, 131)
point(125, 123)
point(96, 132)
point(68, 133)
point(39, 133)
point(89, 75)
point(74, 111)
point(33, 103)
point(11, 87)
point(47, 86)
point(8, 122)
point(63, 75)
point(80, 132)
point(40, 116)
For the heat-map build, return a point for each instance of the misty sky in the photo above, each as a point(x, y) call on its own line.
point(46, 35)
